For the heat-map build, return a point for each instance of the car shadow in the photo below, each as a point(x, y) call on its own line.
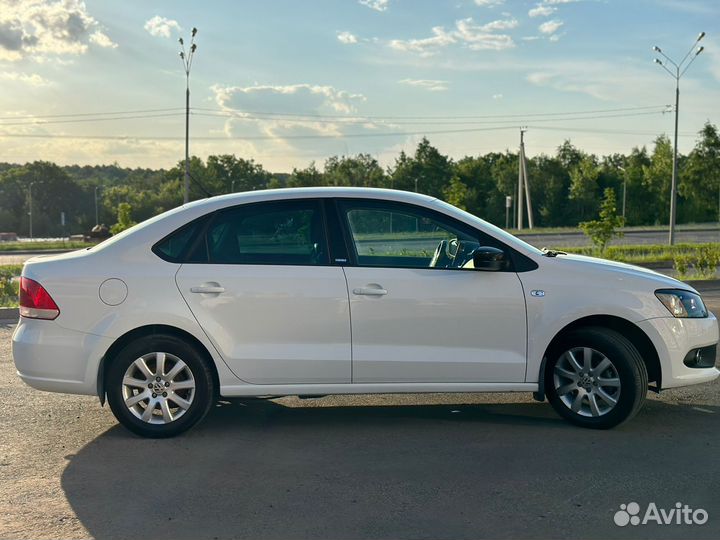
point(259, 469)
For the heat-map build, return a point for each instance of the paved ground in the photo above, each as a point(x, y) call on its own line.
point(463, 466)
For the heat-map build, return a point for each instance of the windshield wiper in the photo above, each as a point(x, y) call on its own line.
point(552, 252)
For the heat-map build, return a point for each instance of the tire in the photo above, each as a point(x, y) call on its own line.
point(585, 396)
point(180, 398)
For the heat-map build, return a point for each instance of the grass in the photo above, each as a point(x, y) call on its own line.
point(643, 254)
point(41, 245)
point(634, 228)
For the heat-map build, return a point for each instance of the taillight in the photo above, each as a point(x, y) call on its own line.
point(35, 301)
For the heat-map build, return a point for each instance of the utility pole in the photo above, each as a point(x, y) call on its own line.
point(679, 71)
point(523, 185)
point(187, 59)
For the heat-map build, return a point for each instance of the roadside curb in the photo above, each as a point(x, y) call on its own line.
point(9, 315)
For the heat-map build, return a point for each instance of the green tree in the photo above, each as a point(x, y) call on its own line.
point(584, 184)
point(227, 172)
point(308, 177)
point(700, 180)
point(656, 180)
point(124, 218)
point(362, 170)
point(427, 169)
point(456, 193)
point(604, 229)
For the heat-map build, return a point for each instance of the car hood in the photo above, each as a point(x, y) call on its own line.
point(593, 264)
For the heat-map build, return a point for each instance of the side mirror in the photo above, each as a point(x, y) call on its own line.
point(489, 259)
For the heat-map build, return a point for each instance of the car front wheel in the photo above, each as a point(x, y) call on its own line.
point(596, 378)
point(159, 386)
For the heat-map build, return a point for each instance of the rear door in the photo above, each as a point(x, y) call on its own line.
point(261, 286)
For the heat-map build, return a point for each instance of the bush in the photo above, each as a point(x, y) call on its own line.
point(604, 229)
point(704, 262)
point(9, 285)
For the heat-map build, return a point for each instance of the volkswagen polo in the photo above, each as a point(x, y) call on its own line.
point(349, 291)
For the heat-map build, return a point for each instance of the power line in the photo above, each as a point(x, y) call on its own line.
point(70, 115)
point(448, 122)
point(84, 120)
point(358, 118)
point(437, 117)
point(337, 120)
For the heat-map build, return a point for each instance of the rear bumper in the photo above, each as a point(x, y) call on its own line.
point(673, 339)
point(52, 358)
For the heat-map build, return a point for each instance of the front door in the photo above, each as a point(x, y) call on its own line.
point(419, 313)
point(263, 291)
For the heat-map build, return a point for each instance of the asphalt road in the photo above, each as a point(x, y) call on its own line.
point(630, 238)
point(435, 466)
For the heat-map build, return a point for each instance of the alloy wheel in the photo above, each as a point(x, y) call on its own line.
point(158, 388)
point(587, 382)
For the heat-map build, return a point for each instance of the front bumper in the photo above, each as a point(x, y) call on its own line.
point(52, 358)
point(673, 339)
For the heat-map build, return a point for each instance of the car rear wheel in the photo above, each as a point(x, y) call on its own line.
point(596, 378)
point(159, 386)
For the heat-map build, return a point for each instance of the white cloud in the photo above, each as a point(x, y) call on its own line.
point(550, 27)
point(101, 39)
point(310, 119)
point(425, 46)
point(474, 36)
point(497, 96)
point(161, 27)
point(288, 99)
point(32, 79)
point(37, 28)
point(347, 38)
point(428, 84)
point(377, 5)
point(542, 10)
point(484, 3)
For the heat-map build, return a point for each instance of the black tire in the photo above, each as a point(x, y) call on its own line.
point(203, 395)
point(628, 365)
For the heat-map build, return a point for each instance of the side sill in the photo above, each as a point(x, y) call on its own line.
point(370, 388)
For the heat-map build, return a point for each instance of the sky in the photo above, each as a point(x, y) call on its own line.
point(288, 82)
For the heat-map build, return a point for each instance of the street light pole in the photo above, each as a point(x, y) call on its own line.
point(97, 221)
point(679, 71)
point(30, 209)
point(187, 58)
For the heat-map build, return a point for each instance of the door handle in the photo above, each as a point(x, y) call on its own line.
point(370, 291)
point(208, 289)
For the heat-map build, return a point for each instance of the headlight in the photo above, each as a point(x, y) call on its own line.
point(682, 304)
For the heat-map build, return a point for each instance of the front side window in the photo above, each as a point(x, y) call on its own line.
point(399, 235)
point(277, 233)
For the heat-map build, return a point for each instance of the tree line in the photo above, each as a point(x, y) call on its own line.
point(566, 187)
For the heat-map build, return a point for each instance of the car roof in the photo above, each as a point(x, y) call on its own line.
point(311, 192)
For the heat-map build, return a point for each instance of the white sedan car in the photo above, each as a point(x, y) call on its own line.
point(349, 291)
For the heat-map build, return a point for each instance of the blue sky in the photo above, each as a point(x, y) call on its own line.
point(288, 82)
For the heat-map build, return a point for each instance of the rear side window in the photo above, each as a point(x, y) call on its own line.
point(174, 246)
point(274, 233)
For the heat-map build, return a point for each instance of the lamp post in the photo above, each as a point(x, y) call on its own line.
point(97, 221)
point(30, 209)
point(676, 73)
point(187, 58)
point(621, 168)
